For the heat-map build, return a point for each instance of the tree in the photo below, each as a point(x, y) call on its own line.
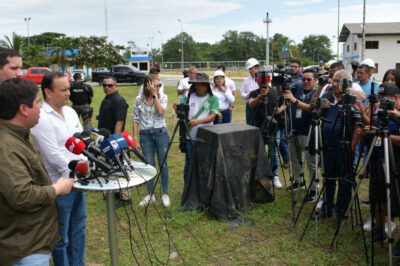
point(16, 42)
point(172, 48)
point(96, 52)
point(33, 55)
point(316, 48)
point(46, 38)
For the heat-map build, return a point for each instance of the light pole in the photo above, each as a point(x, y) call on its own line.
point(162, 53)
point(27, 21)
point(151, 48)
point(180, 21)
point(338, 33)
point(105, 18)
point(267, 20)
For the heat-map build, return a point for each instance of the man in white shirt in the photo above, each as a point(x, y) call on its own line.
point(183, 85)
point(57, 123)
point(250, 84)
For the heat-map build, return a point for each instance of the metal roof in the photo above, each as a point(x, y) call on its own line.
point(387, 28)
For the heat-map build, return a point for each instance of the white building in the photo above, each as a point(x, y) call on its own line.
point(382, 44)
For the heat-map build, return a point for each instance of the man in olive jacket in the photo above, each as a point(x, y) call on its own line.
point(28, 213)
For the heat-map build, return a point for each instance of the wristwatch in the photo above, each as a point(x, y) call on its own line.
point(296, 102)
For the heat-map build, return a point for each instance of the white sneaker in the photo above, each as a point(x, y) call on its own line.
point(148, 199)
point(393, 226)
point(277, 183)
point(165, 201)
point(367, 226)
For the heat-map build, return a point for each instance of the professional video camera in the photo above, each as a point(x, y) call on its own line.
point(323, 80)
point(281, 79)
point(263, 78)
point(182, 111)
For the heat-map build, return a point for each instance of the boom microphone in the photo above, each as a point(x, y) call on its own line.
point(132, 145)
point(77, 146)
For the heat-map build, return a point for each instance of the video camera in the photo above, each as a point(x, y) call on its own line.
point(182, 111)
point(281, 79)
point(347, 98)
point(263, 79)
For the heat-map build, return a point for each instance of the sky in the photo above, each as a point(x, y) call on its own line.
point(142, 21)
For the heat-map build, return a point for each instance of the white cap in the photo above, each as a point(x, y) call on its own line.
point(219, 73)
point(368, 62)
point(251, 62)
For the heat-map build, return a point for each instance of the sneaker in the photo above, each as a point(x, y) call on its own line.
point(392, 226)
point(396, 249)
point(367, 226)
point(296, 185)
point(147, 200)
point(379, 235)
point(286, 164)
point(311, 197)
point(119, 203)
point(277, 183)
point(165, 201)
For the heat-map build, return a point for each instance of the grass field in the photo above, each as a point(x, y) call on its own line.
point(199, 239)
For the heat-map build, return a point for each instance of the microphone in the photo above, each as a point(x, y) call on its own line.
point(132, 145)
point(112, 150)
point(123, 144)
point(77, 146)
point(80, 167)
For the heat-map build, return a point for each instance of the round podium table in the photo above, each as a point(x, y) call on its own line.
point(114, 183)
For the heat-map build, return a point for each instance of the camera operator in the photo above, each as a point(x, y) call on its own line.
point(335, 150)
point(300, 96)
point(387, 116)
point(266, 108)
point(249, 85)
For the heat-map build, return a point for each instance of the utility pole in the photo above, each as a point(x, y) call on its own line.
point(182, 64)
point(363, 36)
point(267, 20)
point(162, 52)
point(27, 21)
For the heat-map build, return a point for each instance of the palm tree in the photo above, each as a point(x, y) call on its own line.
point(60, 47)
point(16, 42)
point(33, 55)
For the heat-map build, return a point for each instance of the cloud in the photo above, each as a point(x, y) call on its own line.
point(300, 3)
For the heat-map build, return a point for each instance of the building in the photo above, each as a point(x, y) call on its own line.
point(140, 59)
point(382, 44)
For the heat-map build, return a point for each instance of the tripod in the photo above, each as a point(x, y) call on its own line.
point(318, 150)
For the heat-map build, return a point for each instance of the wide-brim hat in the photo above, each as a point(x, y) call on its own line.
point(200, 78)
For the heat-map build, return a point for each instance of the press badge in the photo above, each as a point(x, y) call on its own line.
point(378, 142)
point(298, 113)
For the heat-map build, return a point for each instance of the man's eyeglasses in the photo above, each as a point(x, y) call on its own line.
point(105, 85)
point(307, 79)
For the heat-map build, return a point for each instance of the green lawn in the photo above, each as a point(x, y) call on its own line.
point(199, 239)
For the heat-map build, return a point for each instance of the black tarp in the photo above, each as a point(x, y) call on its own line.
point(227, 159)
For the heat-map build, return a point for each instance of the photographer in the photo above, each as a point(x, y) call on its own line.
point(300, 97)
point(203, 109)
point(339, 147)
point(266, 108)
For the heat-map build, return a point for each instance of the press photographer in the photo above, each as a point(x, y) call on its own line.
point(300, 97)
point(267, 107)
point(339, 140)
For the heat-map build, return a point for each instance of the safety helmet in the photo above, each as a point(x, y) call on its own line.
point(368, 62)
point(219, 73)
point(331, 62)
point(251, 62)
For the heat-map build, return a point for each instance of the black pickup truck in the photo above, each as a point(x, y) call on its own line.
point(121, 73)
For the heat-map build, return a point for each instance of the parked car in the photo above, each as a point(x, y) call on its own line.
point(121, 74)
point(35, 74)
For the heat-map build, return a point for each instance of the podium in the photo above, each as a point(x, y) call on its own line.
point(114, 183)
point(227, 161)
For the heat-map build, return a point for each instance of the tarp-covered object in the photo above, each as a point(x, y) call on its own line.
point(226, 162)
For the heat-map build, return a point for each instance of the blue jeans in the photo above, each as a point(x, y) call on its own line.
point(226, 117)
point(283, 146)
point(273, 153)
point(188, 159)
point(249, 114)
point(153, 141)
point(34, 260)
point(70, 250)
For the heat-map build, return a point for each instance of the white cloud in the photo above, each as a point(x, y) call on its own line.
point(300, 3)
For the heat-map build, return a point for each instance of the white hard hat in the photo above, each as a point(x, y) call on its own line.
point(368, 62)
point(251, 62)
point(219, 73)
point(331, 62)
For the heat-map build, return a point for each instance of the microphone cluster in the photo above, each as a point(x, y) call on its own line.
point(105, 152)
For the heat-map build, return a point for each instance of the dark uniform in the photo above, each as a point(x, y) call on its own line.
point(113, 108)
point(81, 98)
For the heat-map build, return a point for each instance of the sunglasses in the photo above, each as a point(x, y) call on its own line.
point(105, 85)
point(159, 86)
point(307, 79)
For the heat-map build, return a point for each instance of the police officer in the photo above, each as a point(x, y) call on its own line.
point(81, 98)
